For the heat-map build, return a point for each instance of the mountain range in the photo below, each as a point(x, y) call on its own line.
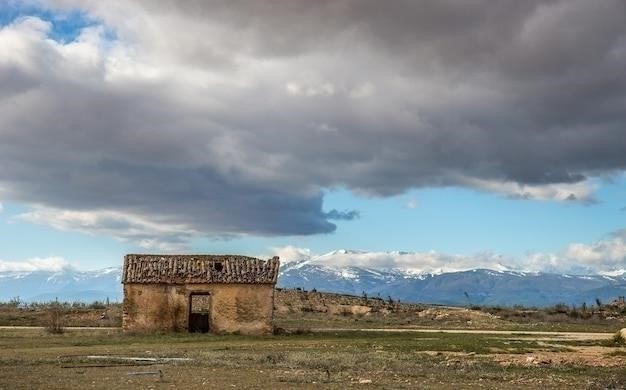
point(348, 272)
point(67, 284)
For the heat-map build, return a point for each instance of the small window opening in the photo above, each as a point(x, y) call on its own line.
point(218, 266)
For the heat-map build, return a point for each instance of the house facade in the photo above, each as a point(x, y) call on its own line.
point(199, 293)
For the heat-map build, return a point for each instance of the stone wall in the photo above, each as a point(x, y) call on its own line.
point(243, 308)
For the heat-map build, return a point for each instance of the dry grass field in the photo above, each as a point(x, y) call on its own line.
point(322, 341)
point(107, 359)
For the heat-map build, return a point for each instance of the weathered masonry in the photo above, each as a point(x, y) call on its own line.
point(199, 293)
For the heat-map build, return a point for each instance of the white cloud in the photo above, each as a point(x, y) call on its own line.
point(411, 204)
point(310, 90)
point(544, 262)
point(362, 91)
point(415, 262)
point(606, 256)
point(149, 234)
point(161, 244)
point(1, 207)
point(581, 191)
point(322, 127)
point(290, 253)
point(54, 264)
point(19, 40)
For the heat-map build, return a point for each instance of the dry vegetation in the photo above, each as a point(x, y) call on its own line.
point(304, 310)
point(299, 357)
point(312, 310)
point(57, 315)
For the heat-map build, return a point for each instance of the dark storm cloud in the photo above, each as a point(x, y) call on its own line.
point(232, 117)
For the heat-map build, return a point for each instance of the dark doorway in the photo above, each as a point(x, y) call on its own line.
point(199, 312)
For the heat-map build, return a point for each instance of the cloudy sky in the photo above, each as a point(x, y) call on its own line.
point(462, 130)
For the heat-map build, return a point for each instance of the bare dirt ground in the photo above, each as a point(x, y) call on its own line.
point(580, 356)
point(536, 335)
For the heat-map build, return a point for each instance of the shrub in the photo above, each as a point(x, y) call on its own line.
point(616, 341)
point(15, 302)
point(97, 305)
point(302, 331)
point(54, 323)
point(574, 313)
point(278, 331)
point(345, 311)
point(274, 358)
point(559, 308)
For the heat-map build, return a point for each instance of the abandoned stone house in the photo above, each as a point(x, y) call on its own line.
point(199, 293)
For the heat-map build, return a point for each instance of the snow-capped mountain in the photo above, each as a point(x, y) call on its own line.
point(475, 287)
point(65, 285)
point(378, 274)
point(395, 276)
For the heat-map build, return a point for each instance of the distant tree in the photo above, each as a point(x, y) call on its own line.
point(55, 315)
point(15, 301)
point(599, 303)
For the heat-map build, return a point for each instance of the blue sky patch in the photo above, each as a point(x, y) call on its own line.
point(66, 26)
